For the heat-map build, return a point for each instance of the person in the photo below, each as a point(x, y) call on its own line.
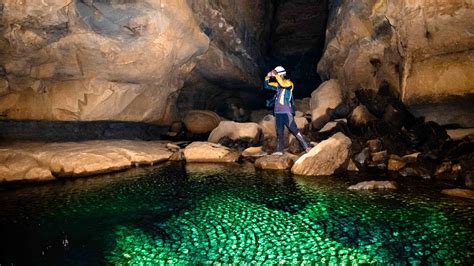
point(283, 107)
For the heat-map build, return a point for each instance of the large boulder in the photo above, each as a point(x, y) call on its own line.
point(235, 131)
point(201, 121)
point(424, 55)
point(201, 152)
point(326, 97)
point(328, 157)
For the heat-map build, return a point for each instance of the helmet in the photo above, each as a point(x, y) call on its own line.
point(281, 71)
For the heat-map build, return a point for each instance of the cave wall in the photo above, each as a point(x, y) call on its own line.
point(123, 60)
point(424, 49)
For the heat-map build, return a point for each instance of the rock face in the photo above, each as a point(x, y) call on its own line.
point(45, 161)
point(121, 60)
point(326, 158)
point(423, 49)
point(200, 152)
point(374, 185)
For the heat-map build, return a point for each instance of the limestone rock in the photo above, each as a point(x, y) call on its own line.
point(235, 131)
point(209, 152)
point(327, 96)
point(374, 185)
point(458, 192)
point(201, 121)
point(276, 162)
point(326, 158)
point(360, 117)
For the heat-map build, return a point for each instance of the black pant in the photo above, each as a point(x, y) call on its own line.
point(286, 119)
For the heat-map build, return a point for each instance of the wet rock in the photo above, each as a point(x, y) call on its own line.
point(209, 152)
point(327, 96)
point(276, 162)
point(458, 192)
point(201, 121)
point(254, 152)
point(375, 145)
point(379, 157)
point(363, 156)
point(328, 157)
point(299, 114)
point(374, 185)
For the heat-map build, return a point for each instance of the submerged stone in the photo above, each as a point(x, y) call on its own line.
point(374, 185)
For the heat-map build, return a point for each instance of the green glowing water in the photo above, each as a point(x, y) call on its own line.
point(231, 214)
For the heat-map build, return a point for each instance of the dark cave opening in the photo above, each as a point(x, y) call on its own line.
point(293, 37)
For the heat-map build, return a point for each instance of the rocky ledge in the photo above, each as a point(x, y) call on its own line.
point(37, 161)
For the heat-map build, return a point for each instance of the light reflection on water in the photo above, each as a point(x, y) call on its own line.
point(231, 213)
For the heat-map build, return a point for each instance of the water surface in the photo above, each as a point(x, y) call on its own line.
point(204, 213)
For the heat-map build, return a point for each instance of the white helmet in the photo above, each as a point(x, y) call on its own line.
point(281, 71)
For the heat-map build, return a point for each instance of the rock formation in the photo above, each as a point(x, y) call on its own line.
point(121, 60)
point(422, 49)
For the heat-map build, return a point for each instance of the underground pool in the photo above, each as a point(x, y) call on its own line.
point(231, 213)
